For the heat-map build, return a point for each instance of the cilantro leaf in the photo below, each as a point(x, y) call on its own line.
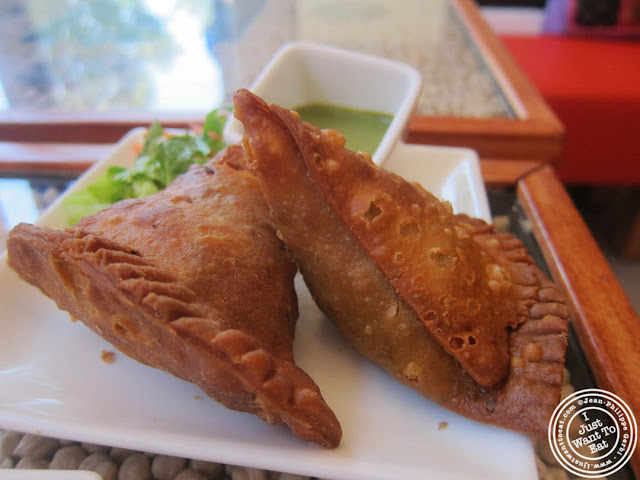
point(162, 158)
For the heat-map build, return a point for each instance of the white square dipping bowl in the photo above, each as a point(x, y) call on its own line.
point(302, 72)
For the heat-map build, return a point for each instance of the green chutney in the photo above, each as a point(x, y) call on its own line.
point(362, 129)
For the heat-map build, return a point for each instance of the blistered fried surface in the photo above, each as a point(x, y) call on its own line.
point(352, 290)
point(213, 229)
point(427, 254)
point(192, 280)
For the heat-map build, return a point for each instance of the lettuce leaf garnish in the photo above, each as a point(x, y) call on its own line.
point(162, 158)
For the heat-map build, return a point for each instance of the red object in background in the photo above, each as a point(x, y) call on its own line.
point(593, 86)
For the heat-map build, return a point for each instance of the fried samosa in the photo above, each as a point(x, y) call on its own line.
point(447, 305)
point(192, 280)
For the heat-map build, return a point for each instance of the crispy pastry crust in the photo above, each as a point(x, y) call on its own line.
point(194, 281)
point(460, 295)
point(320, 216)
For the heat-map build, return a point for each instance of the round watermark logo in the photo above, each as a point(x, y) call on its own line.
point(592, 433)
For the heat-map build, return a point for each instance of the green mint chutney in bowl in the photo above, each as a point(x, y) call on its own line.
point(344, 87)
point(362, 129)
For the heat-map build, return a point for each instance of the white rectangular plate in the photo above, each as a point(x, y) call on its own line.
point(53, 382)
point(19, 474)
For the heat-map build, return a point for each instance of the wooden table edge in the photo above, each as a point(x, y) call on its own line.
point(605, 322)
point(73, 159)
point(534, 132)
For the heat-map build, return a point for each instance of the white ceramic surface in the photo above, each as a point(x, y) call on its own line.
point(302, 72)
point(53, 382)
point(20, 474)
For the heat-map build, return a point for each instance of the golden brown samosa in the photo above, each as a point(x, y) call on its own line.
point(192, 280)
point(448, 306)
